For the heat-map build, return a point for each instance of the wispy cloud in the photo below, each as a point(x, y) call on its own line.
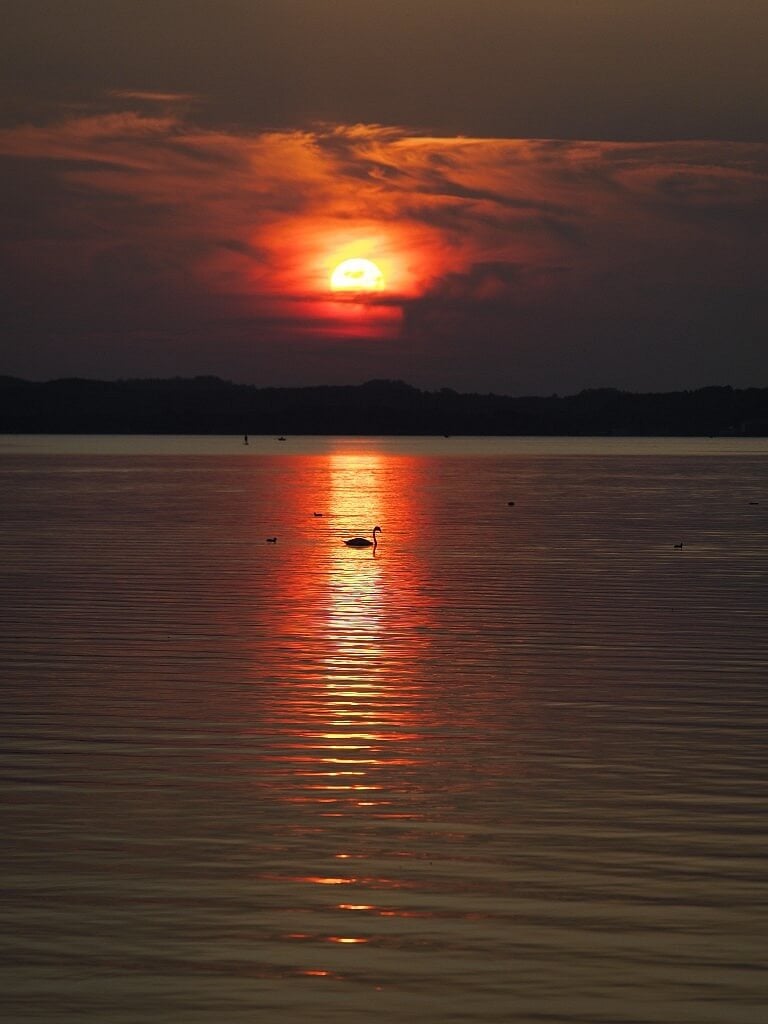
point(149, 97)
point(138, 216)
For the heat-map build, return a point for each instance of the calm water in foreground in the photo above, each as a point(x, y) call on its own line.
point(512, 769)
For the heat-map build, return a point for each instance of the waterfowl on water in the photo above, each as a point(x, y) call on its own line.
point(363, 542)
point(271, 540)
point(679, 546)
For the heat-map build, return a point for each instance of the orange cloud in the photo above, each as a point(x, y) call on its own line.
point(166, 226)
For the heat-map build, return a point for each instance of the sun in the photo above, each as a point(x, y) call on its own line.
point(357, 275)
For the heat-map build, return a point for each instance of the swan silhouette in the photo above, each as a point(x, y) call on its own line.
point(363, 542)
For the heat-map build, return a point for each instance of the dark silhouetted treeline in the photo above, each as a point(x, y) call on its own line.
point(207, 405)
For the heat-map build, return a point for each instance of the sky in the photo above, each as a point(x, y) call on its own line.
point(557, 194)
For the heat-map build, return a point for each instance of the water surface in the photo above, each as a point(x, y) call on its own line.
point(512, 768)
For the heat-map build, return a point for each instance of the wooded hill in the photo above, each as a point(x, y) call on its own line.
point(208, 405)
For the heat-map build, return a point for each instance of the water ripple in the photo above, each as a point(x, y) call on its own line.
point(510, 768)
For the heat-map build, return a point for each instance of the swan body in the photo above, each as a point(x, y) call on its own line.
point(363, 542)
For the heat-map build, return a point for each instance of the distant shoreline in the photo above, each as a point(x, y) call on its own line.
point(210, 406)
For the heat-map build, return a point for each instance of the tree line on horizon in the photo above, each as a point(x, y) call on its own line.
point(209, 405)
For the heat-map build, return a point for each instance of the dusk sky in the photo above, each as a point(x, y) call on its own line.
point(556, 194)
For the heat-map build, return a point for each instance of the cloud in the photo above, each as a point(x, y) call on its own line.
point(126, 222)
point(149, 97)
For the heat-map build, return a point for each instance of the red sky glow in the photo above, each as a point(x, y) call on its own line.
point(152, 227)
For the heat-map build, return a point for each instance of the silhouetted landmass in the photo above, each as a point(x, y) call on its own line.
point(208, 405)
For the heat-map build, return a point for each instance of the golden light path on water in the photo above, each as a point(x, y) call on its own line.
point(361, 707)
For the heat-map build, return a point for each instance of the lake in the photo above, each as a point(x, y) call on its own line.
point(508, 767)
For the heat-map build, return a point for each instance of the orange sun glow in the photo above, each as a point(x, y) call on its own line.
point(357, 275)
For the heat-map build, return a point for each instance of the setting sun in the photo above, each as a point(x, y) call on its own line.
point(357, 275)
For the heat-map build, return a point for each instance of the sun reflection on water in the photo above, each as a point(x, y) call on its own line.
point(351, 714)
point(368, 688)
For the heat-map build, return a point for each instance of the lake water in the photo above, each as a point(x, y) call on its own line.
point(510, 769)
